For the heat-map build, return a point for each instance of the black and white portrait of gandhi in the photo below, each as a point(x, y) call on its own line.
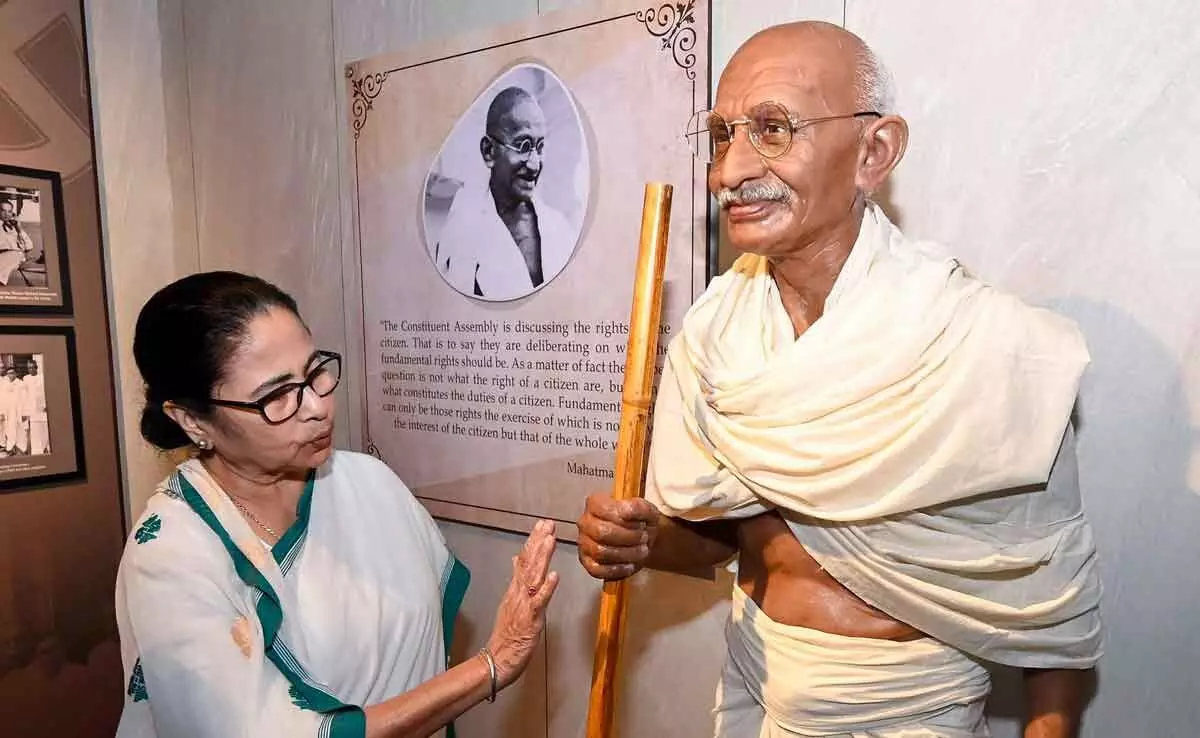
point(506, 197)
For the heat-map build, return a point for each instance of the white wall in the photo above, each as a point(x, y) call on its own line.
point(1053, 148)
point(144, 162)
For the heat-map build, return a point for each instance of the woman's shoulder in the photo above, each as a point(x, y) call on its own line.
point(368, 475)
point(168, 530)
point(368, 482)
point(358, 466)
point(345, 458)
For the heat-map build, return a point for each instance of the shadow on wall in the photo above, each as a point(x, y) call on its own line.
point(1136, 441)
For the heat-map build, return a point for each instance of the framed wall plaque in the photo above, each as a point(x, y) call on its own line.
point(498, 182)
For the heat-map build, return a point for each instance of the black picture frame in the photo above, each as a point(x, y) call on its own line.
point(64, 460)
point(53, 297)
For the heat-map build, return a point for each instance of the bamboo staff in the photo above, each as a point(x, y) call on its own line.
point(640, 355)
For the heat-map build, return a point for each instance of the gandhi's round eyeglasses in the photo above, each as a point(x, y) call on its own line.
point(523, 146)
point(772, 129)
point(283, 402)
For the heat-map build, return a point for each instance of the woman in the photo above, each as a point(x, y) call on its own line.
point(275, 587)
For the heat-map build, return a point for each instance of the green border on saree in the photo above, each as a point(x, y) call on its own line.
point(454, 588)
point(287, 547)
point(341, 720)
point(455, 581)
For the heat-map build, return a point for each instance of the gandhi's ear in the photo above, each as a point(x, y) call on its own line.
point(882, 147)
point(487, 149)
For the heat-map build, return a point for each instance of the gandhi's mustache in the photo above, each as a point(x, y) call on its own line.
point(529, 175)
point(752, 192)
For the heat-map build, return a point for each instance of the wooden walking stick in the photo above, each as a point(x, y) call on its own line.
point(640, 355)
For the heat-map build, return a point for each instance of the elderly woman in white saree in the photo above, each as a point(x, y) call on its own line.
point(274, 586)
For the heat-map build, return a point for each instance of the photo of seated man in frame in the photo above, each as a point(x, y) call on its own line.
point(33, 260)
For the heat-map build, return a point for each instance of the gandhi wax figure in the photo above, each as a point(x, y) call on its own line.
point(504, 241)
point(881, 440)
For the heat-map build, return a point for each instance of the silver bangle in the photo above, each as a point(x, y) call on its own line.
point(491, 664)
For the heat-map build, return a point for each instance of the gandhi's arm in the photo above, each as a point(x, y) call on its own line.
point(680, 545)
point(1055, 701)
point(618, 537)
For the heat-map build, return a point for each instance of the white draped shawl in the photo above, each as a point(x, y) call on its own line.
point(907, 436)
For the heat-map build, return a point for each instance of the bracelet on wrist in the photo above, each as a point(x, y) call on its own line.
point(491, 665)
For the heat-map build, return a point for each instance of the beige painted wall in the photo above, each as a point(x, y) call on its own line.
point(1050, 149)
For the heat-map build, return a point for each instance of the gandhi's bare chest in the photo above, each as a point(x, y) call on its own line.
point(522, 225)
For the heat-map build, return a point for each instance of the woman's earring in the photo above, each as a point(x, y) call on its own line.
point(204, 444)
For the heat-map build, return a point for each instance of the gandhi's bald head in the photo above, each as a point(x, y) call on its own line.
point(514, 121)
point(815, 189)
point(849, 63)
point(505, 105)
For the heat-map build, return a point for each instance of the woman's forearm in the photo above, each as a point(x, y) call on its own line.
point(520, 620)
point(422, 711)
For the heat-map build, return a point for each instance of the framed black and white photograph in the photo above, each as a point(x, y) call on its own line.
point(506, 197)
point(33, 254)
point(41, 431)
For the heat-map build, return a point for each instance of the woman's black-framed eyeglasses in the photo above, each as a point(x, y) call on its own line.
point(283, 402)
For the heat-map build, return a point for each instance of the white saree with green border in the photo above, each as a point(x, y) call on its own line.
point(222, 636)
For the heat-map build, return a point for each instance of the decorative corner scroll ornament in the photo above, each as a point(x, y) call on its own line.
point(373, 450)
point(365, 89)
point(672, 22)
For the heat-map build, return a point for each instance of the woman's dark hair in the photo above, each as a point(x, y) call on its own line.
point(185, 335)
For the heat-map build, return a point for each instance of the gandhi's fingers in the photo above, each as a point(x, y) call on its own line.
point(604, 554)
point(612, 534)
point(631, 513)
point(609, 572)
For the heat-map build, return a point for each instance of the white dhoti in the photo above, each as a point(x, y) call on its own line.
point(35, 398)
point(783, 681)
point(39, 435)
point(10, 408)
